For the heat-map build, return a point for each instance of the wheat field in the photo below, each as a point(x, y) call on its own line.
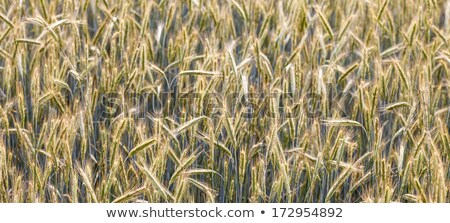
point(224, 101)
